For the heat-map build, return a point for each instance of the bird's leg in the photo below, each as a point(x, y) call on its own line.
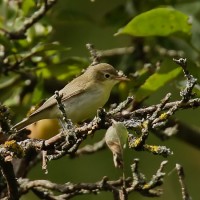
point(68, 129)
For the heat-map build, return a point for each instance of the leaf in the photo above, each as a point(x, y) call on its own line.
point(6, 43)
point(38, 91)
point(48, 47)
point(27, 5)
point(158, 22)
point(65, 70)
point(9, 89)
point(168, 71)
point(116, 138)
point(8, 82)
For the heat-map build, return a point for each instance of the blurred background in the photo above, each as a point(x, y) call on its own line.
point(54, 52)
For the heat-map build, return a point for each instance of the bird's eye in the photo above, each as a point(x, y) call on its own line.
point(107, 76)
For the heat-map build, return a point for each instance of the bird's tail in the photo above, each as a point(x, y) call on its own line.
point(24, 123)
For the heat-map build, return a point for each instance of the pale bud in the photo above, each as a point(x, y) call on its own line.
point(116, 138)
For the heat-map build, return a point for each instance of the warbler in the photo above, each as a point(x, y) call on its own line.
point(81, 97)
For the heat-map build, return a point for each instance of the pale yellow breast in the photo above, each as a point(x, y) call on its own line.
point(85, 105)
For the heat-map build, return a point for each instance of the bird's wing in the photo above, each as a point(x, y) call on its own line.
point(52, 101)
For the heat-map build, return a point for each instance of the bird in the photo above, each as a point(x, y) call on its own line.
point(81, 97)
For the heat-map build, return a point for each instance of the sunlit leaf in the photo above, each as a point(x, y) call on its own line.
point(9, 89)
point(6, 82)
point(158, 22)
point(168, 71)
point(68, 69)
point(38, 91)
point(197, 90)
point(49, 47)
point(27, 5)
point(65, 70)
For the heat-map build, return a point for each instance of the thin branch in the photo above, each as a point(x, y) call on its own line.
point(186, 94)
point(181, 175)
point(20, 34)
point(93, 53)
point(116, 51)
point(8, 173)
point(141, 185)
point(121, 106)
point(70, 190)
point(89, 149)
point(96, 124)
point(66, 123)
point(193, 103)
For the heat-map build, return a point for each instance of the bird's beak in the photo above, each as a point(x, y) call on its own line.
point(121, 77)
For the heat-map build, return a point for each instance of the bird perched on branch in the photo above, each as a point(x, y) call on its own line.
point(81, 97)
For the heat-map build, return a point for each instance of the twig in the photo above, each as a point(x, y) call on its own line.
point(145, 125)
point(141, 185)
point(115, 52)
point(181, 175)
point(157, 179)
point(20, 34)
point(8, 173)
point(158, 120)
point(186, 94)
point(67, 122)
point(44, 161)
point(121, 106)
point(83, 131)
point(138, 178)
point(193, 103)
point(168, 52)
point(89, 149)
point(153, 117)
point(70, 189)
point(93, 53)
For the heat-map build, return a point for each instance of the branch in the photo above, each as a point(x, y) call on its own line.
point(140, 184)
point(186, 94)
point(192, 103)
point(121, 187)
point(70, 190)
point(20, 34)
point(93, 53)
point(141, 120)
point(159, 118)
point(86, 129)
point(115, 51)
point(89, 149)
point(8, 173)
point(180, 172)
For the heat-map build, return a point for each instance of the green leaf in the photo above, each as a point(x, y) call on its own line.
point(9, 89)
point(7, 82)
point(27, 5)
point(65, 70)
point(42, 47)
point(158, 22)
point(38, 91)
point(168, 71)
point(6, 43)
